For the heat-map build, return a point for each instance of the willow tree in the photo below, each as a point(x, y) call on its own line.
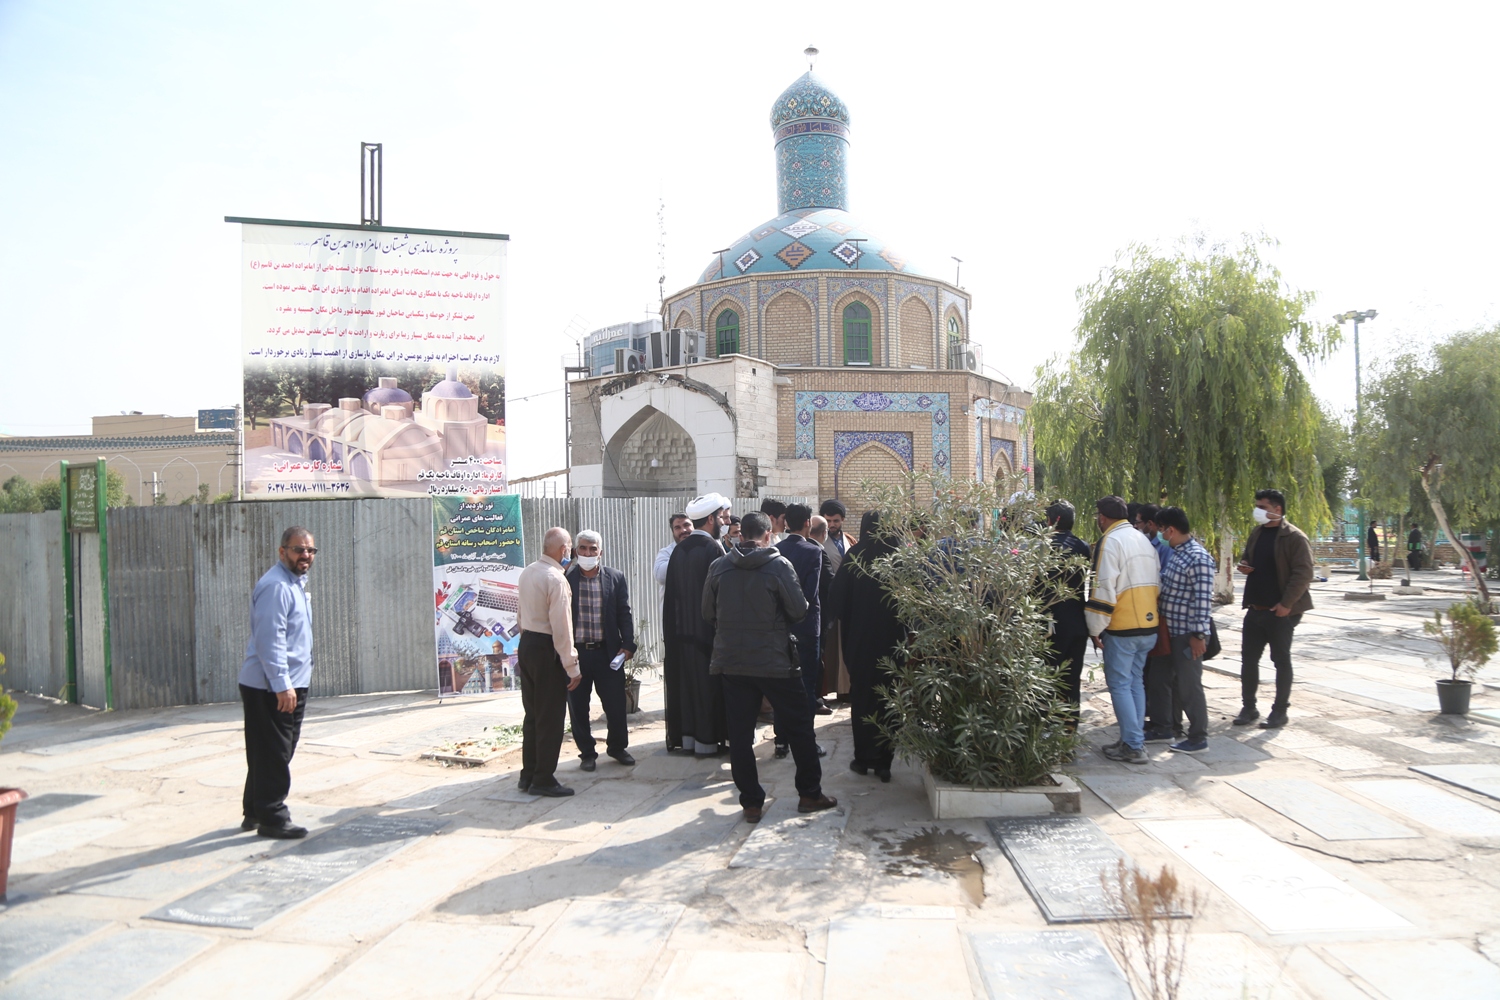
point(1435, 416)
point(1185, 388)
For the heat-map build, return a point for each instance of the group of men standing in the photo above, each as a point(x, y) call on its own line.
point(1149, 610)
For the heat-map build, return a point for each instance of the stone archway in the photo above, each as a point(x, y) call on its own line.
point(651, 455)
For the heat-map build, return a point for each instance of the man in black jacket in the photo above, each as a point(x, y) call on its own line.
point(752, 597)
point(810, 563)
point(602, 628)
point(1070, 633)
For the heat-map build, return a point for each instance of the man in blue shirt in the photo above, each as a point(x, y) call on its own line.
point(1186, 603)
point(273, 685)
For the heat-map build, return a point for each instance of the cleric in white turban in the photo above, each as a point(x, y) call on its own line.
point(695, 700)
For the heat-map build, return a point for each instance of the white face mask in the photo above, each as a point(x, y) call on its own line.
point(587, 563)
point(1261, 516)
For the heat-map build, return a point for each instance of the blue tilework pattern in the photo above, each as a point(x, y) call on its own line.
point(812, 172)
point(845, 443)
point(833, 227)
point(908, 288)
point(997, 445)
point(808, 97)
point(809, 404)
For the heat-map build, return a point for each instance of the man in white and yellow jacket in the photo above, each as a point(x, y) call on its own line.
point(1122, 618)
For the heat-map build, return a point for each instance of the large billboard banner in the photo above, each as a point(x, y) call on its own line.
point(373, 361)
point(476, 563)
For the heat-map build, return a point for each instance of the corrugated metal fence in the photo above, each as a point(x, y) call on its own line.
point(180, 579)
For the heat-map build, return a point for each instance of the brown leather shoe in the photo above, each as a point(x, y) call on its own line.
point(754, 813)
point(812, 805)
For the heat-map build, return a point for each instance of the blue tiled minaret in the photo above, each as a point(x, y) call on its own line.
point(811, 129)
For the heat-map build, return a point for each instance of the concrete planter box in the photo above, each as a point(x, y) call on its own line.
point(962, 802)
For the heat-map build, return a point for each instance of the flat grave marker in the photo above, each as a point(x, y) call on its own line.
point(1278, 887)
point(1481, 778)
point(624, 940)
point(786, 840)
point(1432, 806)
point(1344, 758)
point(1061, 963)
point(1146, 796)
point(114, 967)
point(1060, 860)
point(248, 898)
point(1322, 810)
point(48, 803)
point(26, 940)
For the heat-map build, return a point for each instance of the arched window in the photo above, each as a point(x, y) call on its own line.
point(727, 331)
point(856, 334)
point(955, 343)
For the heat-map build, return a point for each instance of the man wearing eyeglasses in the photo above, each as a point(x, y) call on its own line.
point(273, 685)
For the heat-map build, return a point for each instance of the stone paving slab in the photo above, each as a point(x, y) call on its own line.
point(1233, 967)
point(622, 939)
point(176, 755)
point(683, 823)
point(174, 870)
point(1368, 727)
point(872, 956)
point(249, 970)
point(1427, 744)
point(26, 939)
point(1037, 964)
point(594, 807)
point(1059, 860)
point(47, 803)
point(116, 967)
point(34, 760)
point(785, 840)
point(733, 975)
point(29, 847)
point(1344, 758)
point(1322, 810)
point(116, 735)
point(393, 890)
point(1431, 806)
point(1420, 970)
point(249, 898)
point(1282, 890)
point(1146, 796)
point(1481, 778)
point(453, 959)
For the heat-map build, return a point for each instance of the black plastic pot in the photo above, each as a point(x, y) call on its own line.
point(1453, 697)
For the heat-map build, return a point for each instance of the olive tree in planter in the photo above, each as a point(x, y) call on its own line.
point(9, 797)
point(971, 697)
point(1468, 639)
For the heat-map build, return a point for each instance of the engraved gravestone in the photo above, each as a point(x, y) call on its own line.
point(1322, 810)
point(249, 898)
point(1060, 963)
point(1060, 860)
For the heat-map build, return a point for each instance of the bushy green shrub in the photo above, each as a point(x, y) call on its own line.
point(973, 575)
point(1468, 637)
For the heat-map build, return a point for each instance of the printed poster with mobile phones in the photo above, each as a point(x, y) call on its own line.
point(476, 565)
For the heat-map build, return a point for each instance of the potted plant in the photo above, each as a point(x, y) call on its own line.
point(1468, 639)
point(972, 574)
point(637, 670)
point(9, 797)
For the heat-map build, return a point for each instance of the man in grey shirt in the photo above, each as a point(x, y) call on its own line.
point(273, 685)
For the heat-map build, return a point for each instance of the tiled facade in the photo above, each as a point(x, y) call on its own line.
point(839, 371)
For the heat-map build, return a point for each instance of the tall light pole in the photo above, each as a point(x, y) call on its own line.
point(1359, 410)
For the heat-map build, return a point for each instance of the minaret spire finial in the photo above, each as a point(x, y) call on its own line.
point(812, 56)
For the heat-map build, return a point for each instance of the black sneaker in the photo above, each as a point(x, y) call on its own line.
point(1275, 720)
point(1157, 737)
point(782, 749)
point(1246, 716)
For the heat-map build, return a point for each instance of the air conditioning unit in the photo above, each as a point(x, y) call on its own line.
point(692, 345)
point(627, 360)
point(965, 357)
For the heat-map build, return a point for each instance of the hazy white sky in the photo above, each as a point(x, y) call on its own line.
point(1033, 141)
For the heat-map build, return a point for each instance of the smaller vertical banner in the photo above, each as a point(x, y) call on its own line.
point(82, 484)
point(476, 563)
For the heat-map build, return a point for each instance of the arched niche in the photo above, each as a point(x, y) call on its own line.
point(650, 455)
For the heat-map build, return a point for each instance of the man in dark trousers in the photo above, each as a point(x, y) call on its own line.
point(752, 598)
point(694, 696)
point(273, 685)
point(547, 662)
point(1070, 632)
point(1278, 564)
point(602, 629)
point(811, 566)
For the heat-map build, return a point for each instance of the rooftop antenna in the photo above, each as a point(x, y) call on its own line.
point(721, 254)
point(371, 183)
point(661, 250)
point(957, 271)
point(812, 56)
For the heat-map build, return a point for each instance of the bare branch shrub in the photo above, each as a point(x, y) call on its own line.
point(1148, 937)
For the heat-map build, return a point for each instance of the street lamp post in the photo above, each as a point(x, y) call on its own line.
point(1359, 409)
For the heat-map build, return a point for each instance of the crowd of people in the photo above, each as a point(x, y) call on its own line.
point(778, 611)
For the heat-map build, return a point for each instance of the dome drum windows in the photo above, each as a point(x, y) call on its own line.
point(727, 333)
point(857, 336)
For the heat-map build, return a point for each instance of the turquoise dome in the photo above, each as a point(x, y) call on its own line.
point(807, 97)
point(814, 238)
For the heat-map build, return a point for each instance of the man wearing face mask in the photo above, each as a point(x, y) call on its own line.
point(695, 699)
point(602, 628)
point(1278, 564)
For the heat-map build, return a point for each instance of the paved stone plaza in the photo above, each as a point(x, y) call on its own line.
point(1353, 854)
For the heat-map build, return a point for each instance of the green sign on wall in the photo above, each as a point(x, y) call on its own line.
point(83, 498)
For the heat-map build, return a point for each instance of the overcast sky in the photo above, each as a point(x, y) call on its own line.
point(1034, 142)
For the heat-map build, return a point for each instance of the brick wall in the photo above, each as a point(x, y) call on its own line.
point(789, 329)
point(916, 334)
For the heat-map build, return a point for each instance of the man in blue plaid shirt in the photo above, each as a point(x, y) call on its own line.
point(1186, 602)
